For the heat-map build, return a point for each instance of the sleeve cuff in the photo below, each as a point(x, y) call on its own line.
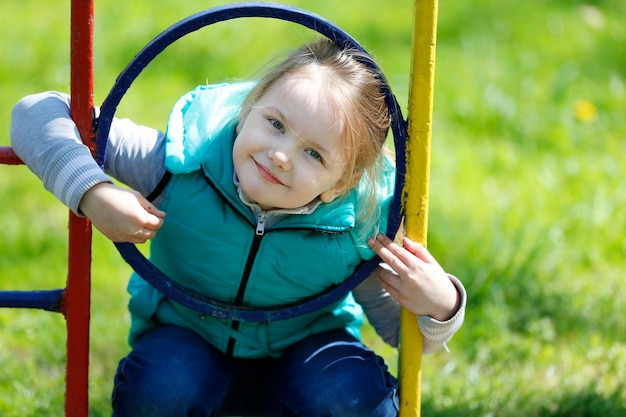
point(73, 174)
point(440, 332)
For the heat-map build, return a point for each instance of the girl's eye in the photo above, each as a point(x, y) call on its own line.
point(316, 155)
point(277, 125)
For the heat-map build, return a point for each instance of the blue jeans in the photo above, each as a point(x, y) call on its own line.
point(173, 372)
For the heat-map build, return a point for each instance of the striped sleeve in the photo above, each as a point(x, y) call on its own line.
point(44, 136)
point(440, 332)
point(383, 313)
point(71, 175)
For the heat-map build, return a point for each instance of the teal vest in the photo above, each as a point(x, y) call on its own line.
point(209, 241)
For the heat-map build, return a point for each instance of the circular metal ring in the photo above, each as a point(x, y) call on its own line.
point(143, 266)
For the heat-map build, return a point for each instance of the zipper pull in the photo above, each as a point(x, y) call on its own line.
point(260, 223)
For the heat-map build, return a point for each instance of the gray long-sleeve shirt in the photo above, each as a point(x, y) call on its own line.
point(44, 136)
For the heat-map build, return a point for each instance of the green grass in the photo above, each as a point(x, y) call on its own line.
point(528, 186)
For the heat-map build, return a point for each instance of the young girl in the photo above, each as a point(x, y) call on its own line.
point(275, 190)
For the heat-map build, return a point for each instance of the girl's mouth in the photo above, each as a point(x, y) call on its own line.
point(267, 175)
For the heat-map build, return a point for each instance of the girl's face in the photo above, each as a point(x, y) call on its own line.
point(288, 150)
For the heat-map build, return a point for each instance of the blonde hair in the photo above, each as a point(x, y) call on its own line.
point(357, 91)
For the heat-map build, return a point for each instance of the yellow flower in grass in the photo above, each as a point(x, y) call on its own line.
point(585, 111)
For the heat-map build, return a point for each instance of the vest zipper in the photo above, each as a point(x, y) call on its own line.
point(260, 224)
point(254, 249)
point(259, 233)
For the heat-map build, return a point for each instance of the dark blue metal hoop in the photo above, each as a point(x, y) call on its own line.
point(197, 21)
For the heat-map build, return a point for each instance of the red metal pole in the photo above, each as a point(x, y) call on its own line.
point(77, 298)
point(8, 156)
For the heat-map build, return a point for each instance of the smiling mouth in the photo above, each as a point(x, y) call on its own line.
point(267, 175)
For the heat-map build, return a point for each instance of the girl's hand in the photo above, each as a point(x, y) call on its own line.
point(416, 281)
point(122, 215)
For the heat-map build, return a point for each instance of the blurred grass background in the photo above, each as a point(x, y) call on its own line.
point(528, 188)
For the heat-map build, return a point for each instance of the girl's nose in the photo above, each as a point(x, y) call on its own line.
point(280, 158)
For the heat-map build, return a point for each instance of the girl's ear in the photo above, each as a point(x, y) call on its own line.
point(342, 187)
point(329, 195)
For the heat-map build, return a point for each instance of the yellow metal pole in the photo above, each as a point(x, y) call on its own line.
point(417, 187)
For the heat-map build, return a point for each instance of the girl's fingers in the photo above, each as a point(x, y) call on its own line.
point(153, 223)
point(382, 249)
point(142, 236)
point(387, 278)
point(419, 250)
point(391, 253)
point(154, 220)
point(150, 208)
